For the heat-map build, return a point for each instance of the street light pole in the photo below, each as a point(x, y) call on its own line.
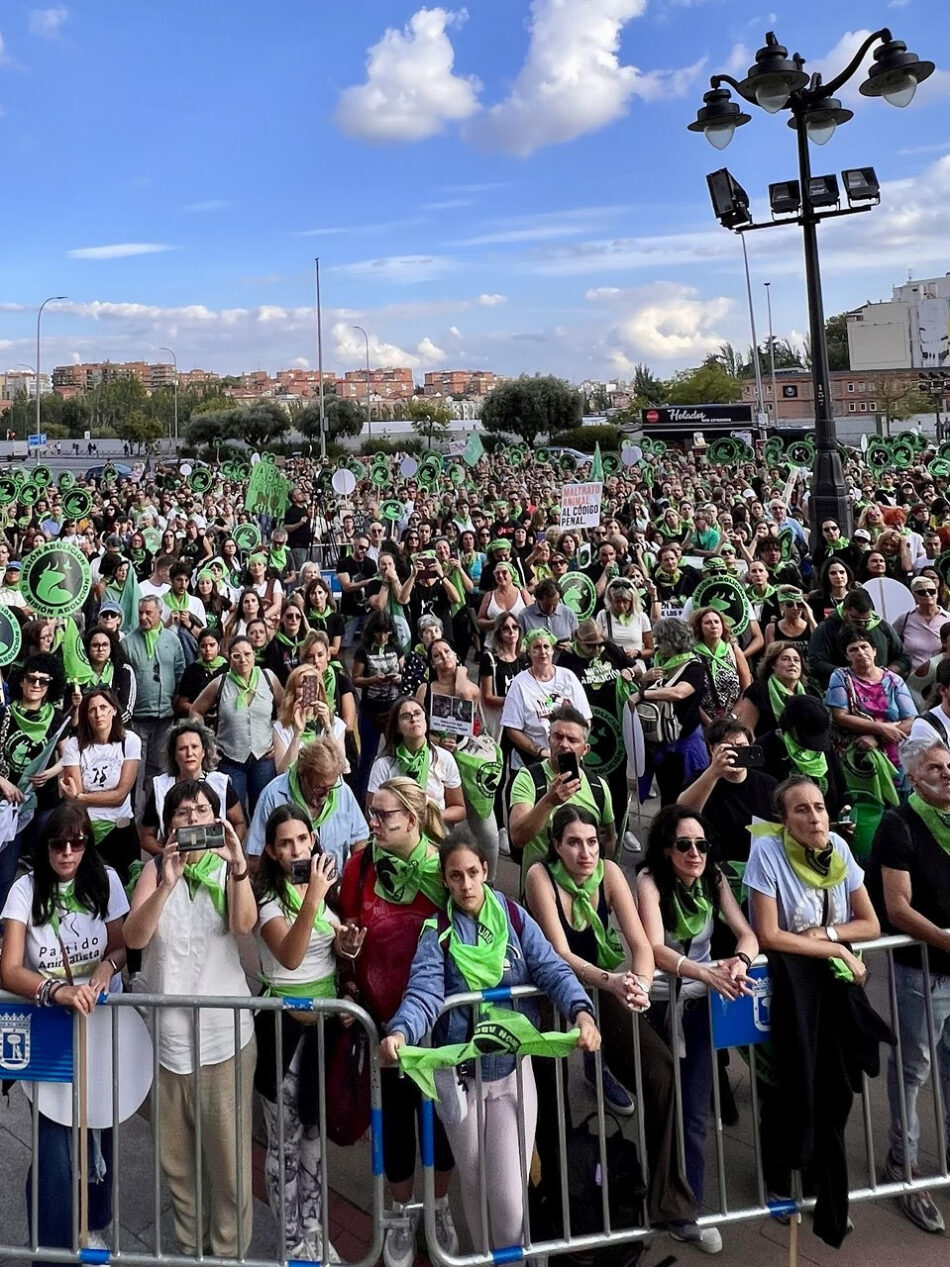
point(369, 421)
point(51, 300)
point(175, 367)
point(759, 407)
point(323, 410)
point(768, 299)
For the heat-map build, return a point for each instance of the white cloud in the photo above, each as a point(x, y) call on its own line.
point(210, 204)
point(492, 301)
point(664, 321)
point(118, 250)
point(338, 229)
point(572, 80)
point(300, 363)
point(350, 349)
point(46, 22)
point(399, 268)
point(410, 91)
point(455, 332)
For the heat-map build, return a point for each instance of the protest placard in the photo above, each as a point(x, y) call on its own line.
point(580, 505)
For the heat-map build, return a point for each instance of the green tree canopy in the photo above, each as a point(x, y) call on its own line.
point(709, 384)
point(530, 407)
point(344, 418)
point(429, 417)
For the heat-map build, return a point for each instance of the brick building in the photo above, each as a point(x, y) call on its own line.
point(853, 393)
point(458, 383)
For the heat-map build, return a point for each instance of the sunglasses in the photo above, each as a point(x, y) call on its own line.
point(37, 679)
point(60, 846)
point(927, 593)
point(684, 846)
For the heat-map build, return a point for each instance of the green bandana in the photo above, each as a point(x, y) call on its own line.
point(610, 952)
point(292, 902)
point(532, 637)
point(481, 776)
point(779, 695)
point(34, 725)
point(692, 909)
point(150, 638)
point(329, 684)
point(872, 623)
point(287, 641)
point(482, 964)
point(64, 902)
point(278, 558)
point(806, 760)
point(869, 770)
point(766, 594)
point(212, 666)
point(824, 870)
point(204, 874)
point(415, 765)
point(329, 805)
point(498, 1032)
point(719, 652)
point(105, 678)
point(245, 690)
point(936, 821)
point(669, 663)
point(175, 602)
point(399, 880)
point(667, 578)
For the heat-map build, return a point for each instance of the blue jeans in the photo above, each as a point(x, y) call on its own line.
point(915, 1053)
point(249, 777)
point(55, 1214)
point(696, 1081)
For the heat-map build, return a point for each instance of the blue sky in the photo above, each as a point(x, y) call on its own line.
point(508, 186)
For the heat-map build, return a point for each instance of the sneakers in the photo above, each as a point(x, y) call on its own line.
point(399, 1244)
point(445, 1232)
point(916, 1206)
point(616, 1097)
point(706, 1239)
point(630, 843)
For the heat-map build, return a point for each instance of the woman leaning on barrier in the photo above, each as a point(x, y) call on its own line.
point(299, 934)
point(389, 889)
point(484, 941)
point(62, 946)
point(682, 896)
point(573, 893)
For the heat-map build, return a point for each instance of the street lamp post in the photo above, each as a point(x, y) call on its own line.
point(369, 421)
point(175, 369)
point(777, 83)
point(768, 299)
point(39, 316)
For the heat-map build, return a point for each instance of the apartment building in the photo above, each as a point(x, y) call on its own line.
point(853, 392)
point(458, 383)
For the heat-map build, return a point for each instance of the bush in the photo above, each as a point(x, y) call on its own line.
point(584, 438)
point(411, 444)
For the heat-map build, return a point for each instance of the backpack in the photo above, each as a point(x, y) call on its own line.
point(598, 787)
point(625, 1187)
point(658, 721)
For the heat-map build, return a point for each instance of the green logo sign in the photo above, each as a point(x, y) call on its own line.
point(725, 595)
point(9, 636)
point(579, 594)
point(76, 503)
point(56, 579)
point(247, 536)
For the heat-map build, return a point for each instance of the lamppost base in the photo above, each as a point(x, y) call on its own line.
point(829, 494)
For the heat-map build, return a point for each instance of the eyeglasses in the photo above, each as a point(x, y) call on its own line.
point(383, 815)
point(684, 846)
point(37, 679)
point(412, 715)
point(60, 846)
point(291, 615)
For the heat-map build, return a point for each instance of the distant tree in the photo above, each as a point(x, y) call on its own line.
point(709, 384)
point(140, 428)
point(729, 359)
point(213, 403)
point(836, 341)
point(647, 387)
point(261, 423)
point(344, 418)
point(429, 417)
point(896, 398)
point(530, 407)
point(212, 427)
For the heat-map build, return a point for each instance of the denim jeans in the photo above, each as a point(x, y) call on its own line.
point(249, 777)
point(696, 1082)
point(55, 1212)
point(915, 1054)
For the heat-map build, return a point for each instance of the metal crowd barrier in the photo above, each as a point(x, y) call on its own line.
point(720, 1207)
point(720, 1211)
point(152, 1007)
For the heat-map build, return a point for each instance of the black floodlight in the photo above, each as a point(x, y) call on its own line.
point(861, 185)
point(823, 191)
point(730, 201)
point(785, 198)
point(718, 117)
point(895, 74)
point(773, 78)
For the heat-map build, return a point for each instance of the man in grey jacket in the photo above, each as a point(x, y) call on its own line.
point(158, 662)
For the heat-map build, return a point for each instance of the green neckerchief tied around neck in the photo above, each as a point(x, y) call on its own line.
point(203, 874)
point(415, 765)
point(400, 880)
point(692, 910)
point(779, 695)
point(822, 869)
point(329, 805)
point(806, 760)
point(936, 821)
point(584, 914)
point(481, 963)
point(35, 724)
point(245, 690)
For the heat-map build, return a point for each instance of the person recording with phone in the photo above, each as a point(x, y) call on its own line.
point(189, 907)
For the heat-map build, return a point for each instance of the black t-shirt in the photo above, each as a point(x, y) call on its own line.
point(427, 599)
point(686, 710)
point(903, 843)
point(356, 570)
point(504, 529)
point(295, 515)
point(731, 808)
point(195, 678)
point(757, 693)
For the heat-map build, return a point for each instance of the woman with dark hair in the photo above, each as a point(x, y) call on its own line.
point(247, 608)
point(408, 751)
point(140, 556)
point(100, 765)
point(191, 754)
point(299, 933)
point(377, 671)
point(835, 580)
point(501, 660)
point(779, 678)
point(677, 678)
point(62, 945)
point(209, 664)
point(321, 613)
point(727, 673)
point(283, 651)
point(109, 668)
point(29, 727)
point(682, 895)
point(216, 606)
point(572, 894)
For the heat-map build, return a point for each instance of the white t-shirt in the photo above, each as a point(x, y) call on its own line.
point(319, 960)
point(148, 590)
point(443, 773)
point(529, 702)
point(800, 906)
point(337, 733)
point(84, 936)
point(276, 593)
point(196, 610)
point(100, 765)
point(627, 635)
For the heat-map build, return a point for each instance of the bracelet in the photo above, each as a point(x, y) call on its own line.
point(743, 958)
point(676, 970)
point(115, 966)
point(239, 875)
point(831, 932)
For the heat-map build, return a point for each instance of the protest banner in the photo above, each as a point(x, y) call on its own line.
point(580, 505)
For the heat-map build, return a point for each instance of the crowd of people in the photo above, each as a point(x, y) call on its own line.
point(408, 738)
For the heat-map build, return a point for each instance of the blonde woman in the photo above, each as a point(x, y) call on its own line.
point(304, 715)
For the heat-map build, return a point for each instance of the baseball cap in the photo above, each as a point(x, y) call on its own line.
point(861, 534)
point(108, 608)
point(14, 565)
point(810, 720)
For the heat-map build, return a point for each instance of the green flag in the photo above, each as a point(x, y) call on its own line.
point(75, 661)
point(268, 492)
point(474, 449)
point(597, 466)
